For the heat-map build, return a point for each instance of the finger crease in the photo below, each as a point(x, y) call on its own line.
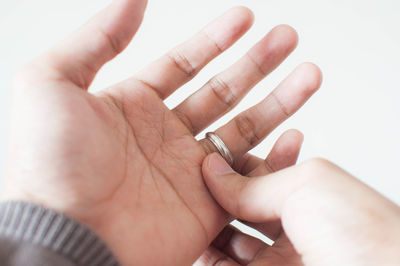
point(182, 63)
point(280, 104)
point(247, 130)
point(185, 120)
point(149, 86)
point(223, 91)
point(82, 79)
point(113, 44)
point(260, 69)
point(219, 48)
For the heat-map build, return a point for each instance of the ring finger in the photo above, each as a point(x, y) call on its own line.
point(250, 127)
point(226, 89)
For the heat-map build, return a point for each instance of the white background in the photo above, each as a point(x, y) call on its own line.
point(354, 120)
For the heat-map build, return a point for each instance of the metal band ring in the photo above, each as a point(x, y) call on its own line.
point(221, 147)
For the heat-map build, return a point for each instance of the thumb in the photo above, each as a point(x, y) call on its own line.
point(79, 57)
point(224, 183)
point(256, 199)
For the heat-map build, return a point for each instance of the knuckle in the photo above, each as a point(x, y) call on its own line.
point(217, 46)
point(258, 67)
point(223, 91)
point(114, 43)
point(181, 62)
point(247, 129)
point(281, 106)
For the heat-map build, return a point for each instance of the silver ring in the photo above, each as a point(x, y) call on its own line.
point(221, 147)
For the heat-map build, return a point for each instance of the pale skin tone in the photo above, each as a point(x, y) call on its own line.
point(125, 165)
point(317, 213)
point(120, 161)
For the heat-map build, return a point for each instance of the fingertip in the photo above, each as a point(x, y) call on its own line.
point(206, 168)
point(207, 172)
point(223, 183)
point(216, 165)
point(288, 145)
point(288, 32)
point(244, 18)
point(245, 12)
point(274, 47)
point(230, 26)
point(284, 37)
point(286, 150)
point(207, 160)
point(294, 134)
point(294, 141)
point(313, 75)
point(299, 86)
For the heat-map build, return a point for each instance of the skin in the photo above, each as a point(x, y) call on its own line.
point(120, 161)
point(316, 212)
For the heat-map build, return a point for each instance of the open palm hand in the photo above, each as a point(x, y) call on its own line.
point(120, 160)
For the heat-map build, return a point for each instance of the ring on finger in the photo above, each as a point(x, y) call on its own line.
point(221, 147)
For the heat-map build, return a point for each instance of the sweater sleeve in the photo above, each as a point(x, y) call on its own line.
point(36, 236)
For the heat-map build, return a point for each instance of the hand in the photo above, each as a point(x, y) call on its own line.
point(316, 213)
point(120, 161)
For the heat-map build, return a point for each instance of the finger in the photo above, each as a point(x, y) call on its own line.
point(297, 194)
point(226, 89)
point(249, 128)
point(237, 245)
point(232, 242)
point(79, 57)
point(261, 199)
point(213, 256)
point(284, 153)
point(183, 62)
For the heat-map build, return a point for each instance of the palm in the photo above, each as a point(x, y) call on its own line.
point(161, 164)
point(120, 160)
point(136, 165)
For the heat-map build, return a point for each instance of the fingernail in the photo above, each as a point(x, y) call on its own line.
point(218, 165)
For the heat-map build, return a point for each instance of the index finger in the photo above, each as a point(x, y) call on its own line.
point(183, 62)
point(262, 199)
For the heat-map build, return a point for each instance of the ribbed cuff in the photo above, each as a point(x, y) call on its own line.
point(27, 222)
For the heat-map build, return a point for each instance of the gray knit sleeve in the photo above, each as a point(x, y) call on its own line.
point(33, 235)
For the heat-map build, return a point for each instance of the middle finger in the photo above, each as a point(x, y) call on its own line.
point(226, 89)
point(249, 128)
